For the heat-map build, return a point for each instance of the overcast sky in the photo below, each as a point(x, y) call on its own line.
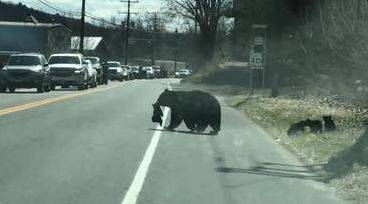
point(100, 8)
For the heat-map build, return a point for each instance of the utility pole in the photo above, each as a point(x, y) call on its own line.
point(155, 26)
point(176, 50)
point(123, 38)
point(153, 61)
point(127, 28)
point(195, 20)
point(82, 28)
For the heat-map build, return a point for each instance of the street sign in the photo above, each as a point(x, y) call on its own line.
point(257, 57)
point(256, 60)
point(258, 40)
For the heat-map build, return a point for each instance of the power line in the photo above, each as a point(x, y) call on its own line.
point(74, 14)
point(55, 8)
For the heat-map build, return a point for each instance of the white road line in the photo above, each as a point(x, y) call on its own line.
point(135, 187)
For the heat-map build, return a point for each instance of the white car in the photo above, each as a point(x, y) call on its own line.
point(29, 70)
point(98, 67)
point(68, 70)
point(115, 71)
point(134, 72)
point(92, 74)
point(182, 73)
point(149, 72)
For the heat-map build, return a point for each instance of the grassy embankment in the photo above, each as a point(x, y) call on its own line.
point(342, 155)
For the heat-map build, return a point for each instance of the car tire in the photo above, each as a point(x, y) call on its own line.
point(3, 89)
point(41, 88)
point(48, 87)
point(11, 89)
point(81, 87)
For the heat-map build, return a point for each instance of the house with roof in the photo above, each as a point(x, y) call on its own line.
point(93, 46)
point(45, 38)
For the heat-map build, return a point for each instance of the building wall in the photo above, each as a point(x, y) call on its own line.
point(45, 40)
point(58, 40)
point(22, 38)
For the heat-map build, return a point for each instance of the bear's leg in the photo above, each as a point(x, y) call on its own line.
point(190, 124)
point(215, 122)
point(201, 126)
point(175, 121)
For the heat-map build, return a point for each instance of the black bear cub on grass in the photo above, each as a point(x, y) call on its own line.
point(197, 109)
point(314, 125)
point(329, 123)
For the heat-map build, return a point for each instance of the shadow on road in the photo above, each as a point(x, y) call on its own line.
point(21, 92)
point(183, 132)
point(271, 169)
point(290, 165)
point(67, 89)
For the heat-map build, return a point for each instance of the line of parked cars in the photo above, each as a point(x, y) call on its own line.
point(150, 72)
point(33, 70)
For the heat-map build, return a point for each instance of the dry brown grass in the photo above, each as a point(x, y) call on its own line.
point(276, 115)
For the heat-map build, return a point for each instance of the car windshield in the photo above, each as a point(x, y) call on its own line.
point(24, 61)
point(113, 64)
point(64, 60)
point(93, 60)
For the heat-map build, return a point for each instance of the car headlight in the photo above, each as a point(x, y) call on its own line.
point(177, 73)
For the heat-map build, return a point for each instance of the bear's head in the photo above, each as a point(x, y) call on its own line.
point(167, 98)
point(327, 117)
point(157, 114)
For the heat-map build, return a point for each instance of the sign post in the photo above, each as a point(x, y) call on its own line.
point(257, 57)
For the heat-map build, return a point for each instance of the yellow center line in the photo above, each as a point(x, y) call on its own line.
point(51, 100)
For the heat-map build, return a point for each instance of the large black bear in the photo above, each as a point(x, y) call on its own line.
point(198, 109)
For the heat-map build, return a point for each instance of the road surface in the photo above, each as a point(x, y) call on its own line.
point(100, 147)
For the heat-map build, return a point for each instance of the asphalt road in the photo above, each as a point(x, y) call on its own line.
point(100, 147)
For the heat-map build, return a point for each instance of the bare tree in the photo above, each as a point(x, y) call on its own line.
point(155, 22)
point(207, 14)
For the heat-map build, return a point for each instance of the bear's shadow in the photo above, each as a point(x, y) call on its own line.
point(183, 132)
